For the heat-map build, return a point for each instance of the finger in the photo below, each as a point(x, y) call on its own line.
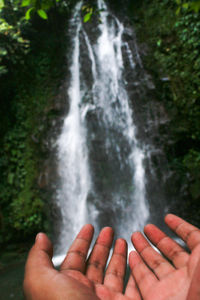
point(153, 259)
point(99, 256)
point(40, 254)
point(77, 254)
point(167, 246)
point(144, 277)
point(187, 232)
point(114, 277)
point(39, 262)
point(131, 289)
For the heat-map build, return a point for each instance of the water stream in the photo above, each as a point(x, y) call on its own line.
point(104, 153)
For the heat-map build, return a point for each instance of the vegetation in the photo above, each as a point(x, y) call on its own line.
point(172, 31)
point(31, 32)
point(27, 61)
point(189, 6)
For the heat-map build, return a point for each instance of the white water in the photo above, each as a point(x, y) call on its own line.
point(110, 103)
point(73, 157)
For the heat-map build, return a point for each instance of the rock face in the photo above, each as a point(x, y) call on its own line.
point(49, 130)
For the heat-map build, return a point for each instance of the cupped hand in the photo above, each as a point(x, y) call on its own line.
point(174, 276)
point(79, 278)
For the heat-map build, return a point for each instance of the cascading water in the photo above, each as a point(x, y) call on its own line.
point(100, 159)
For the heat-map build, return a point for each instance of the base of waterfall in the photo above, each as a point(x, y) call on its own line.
point(58, 259)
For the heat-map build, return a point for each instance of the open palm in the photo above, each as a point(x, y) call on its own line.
point(156, 277)
point(79, 278)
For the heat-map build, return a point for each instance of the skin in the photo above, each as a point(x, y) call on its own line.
point(153, 277)
point(78, 278)
point(156, 277)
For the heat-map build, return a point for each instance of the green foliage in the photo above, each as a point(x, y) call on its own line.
point(192, 164)
point(26, 213)
point(41, 7)
point(13, 46)
point(89, 11)
point(179, 57)
point(88, 15)
point(15, 20)
point(188, 6)
point(174, 42)
point(28, 13)
point(21, 207)
point(23, 210)
point(42, 14)
point(1, 4)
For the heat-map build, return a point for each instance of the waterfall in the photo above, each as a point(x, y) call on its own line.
point(102, 177)
point(73, 155)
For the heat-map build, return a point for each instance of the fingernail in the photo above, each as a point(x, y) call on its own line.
point(38, 237)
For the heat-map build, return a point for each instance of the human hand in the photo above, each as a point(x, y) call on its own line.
point(194, 290)
point(79, 278)
point(156, 277)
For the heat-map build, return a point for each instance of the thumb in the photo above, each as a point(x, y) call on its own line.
point(38, 266)
point(40, 254)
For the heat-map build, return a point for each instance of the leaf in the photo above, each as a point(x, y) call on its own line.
point(3, 70)
point(42, 14)
point(87, 17)
point(1, 3)
point(11, 178)
point(195, 6)
point(3, 51)
point(84, 7)
point(25, 3)
point(159, 42)
point(185, 5)
point(27, 15)
point(178, 10)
